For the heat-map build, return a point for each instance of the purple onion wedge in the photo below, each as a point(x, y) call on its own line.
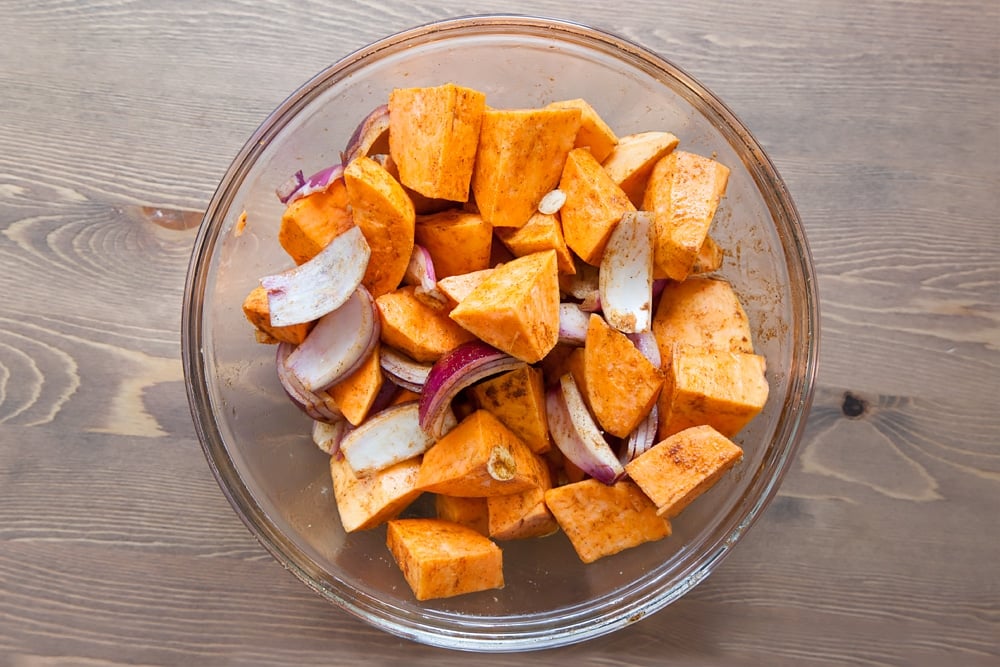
point(369, 136)
point(576, 435)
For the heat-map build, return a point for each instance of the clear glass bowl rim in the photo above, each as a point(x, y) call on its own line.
point(643, 597)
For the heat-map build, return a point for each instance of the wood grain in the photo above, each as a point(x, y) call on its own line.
point(118, 119)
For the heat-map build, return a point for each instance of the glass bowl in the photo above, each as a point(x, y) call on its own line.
point(258, 444)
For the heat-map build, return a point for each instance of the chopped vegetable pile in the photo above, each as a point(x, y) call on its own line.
point(513, 310)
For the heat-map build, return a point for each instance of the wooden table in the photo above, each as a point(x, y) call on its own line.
point(117, 119)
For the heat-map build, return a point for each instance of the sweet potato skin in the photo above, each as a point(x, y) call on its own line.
point(441, 559)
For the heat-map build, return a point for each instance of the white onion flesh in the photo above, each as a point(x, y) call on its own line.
point(338, 343)
point(576, 434)
point(643, 437)
point(384, 439)
point(321, 285)
point(404, 371)
point(319, 405)
point(573, 323)
point(646, 343)
point(420, 273)
point(626, 274)
point(328, 435)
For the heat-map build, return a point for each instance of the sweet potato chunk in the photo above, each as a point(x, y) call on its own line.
point(543, 231)
point(518, 516)
point(594, 205)
point(258, 313)
point(470, 512)
point(386, 217)
point(701, 312)
point(355, 394)
point(621, 385)
point(594, 134)
point(411, 326)
point(709, 258)
point(677, 470)
point(480, 457)
point(520, 158)
point(433, 136)
point(601, 520)
point(516, 307)
point(458, 241)
point(457, 287)
point(517, 399)
point(309, 223)
point(718, 388)
point(633, 159)
point(441, 559)
point(368, 501)
point(683, 192)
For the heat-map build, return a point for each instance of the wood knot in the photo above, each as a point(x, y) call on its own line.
point(853, 406)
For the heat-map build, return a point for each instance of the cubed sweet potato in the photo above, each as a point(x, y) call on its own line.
point(719, 388)
point(517, 399)
point(479, 457)
point(386, 217)
point(309, 223)
point(457, 287)
point(680, 468)
point(458, 241)
point(258, 313)
point(543, 231)
point(516, 307)
point(371, 500)
point(594, 134)
point(633, 159)
point(594, 205)
point(355, 394)
point(471, 512)
point(701, 312)
point(621, 385)
point(518, 516)
point(520, 158)
point(441, 559)
point(601, 520)
point(411, 326)
point(433, 138)
point(683, 192)
point(709, 258)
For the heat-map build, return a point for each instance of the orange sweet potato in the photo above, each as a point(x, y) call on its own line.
point(458, 241)
point(471, 512)
point(309, 223)
point(677, 470)
point(683, 192)
point(386, 217)
point(633, 159)
point(543, 231)
point(709, 258)
point(701, 312)
point(411, 326)
point(433, 138)
point(517, 399)
point(258, 313)
point(621, 385)
point(601, 520)
point(518, 516)
point(520, 157)
point(516, 307)
point(594, 134)
point(459, 286)
point(355, 394)
point(369, 501)
point(594, 205)
point(441, 559)
point(478, 458)
point(722, 389)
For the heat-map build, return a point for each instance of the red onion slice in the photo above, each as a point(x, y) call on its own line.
point(576, 435)
point(328, 435)
point(420, 272)
point(583, 283)
point(370, 130)
point(338, 343)
point(646, 343)
point(313, 289)
point(297, 186)
point(626, 274)
point(290, 187)
point(404, 371)
point(465, 365)
point(643, 437)
point(384, 439)
point(318, 405)
point(573, 323)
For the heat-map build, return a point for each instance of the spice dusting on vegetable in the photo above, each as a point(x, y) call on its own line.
point(515, 311)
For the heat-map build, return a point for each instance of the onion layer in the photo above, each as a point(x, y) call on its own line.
point(420, 273)
point(465, 365)
point(573, 323)
point(319, 405)
point(338, 343)
point(404, 371)
point(321, 285)
point(366, 136)
point(327, 435)
point(384, 439)
point(576, 435)
point(626, 274)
